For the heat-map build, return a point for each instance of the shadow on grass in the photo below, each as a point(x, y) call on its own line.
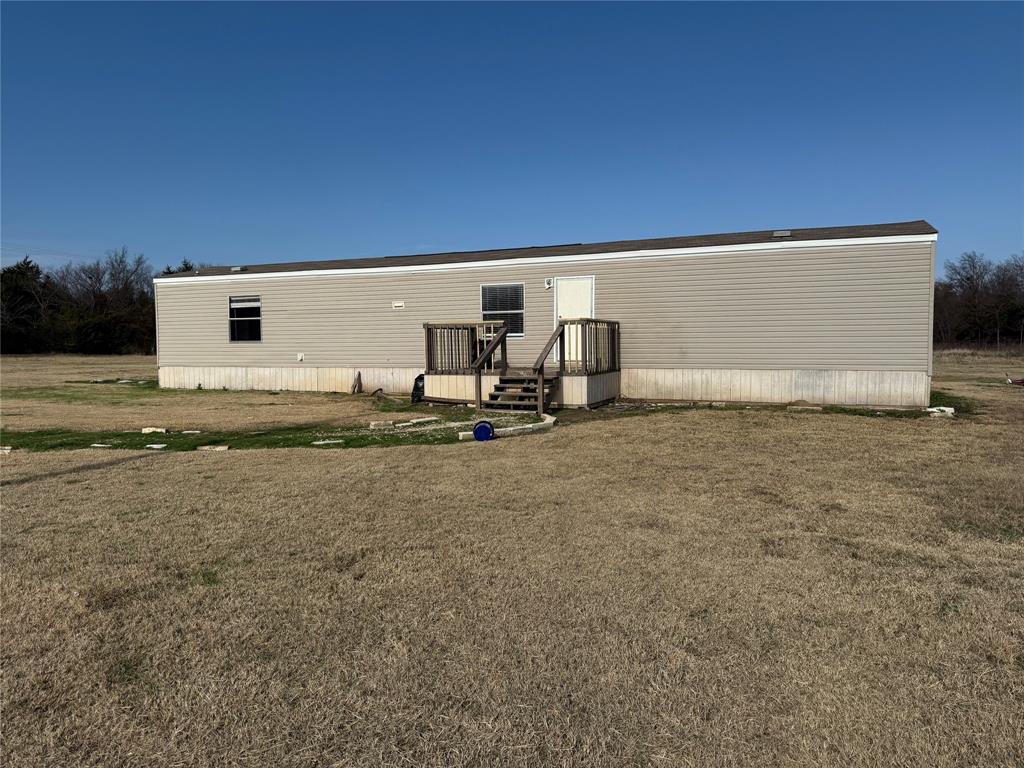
point(626, 409)
point(76, 469)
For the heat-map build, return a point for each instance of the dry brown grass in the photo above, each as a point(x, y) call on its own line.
point(36, 395)
point(52, 370)
point(982, 376)
point(692, 588)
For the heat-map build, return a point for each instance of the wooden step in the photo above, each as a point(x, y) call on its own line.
point(548, 380)
point(518, 392)
point(532, 393)
point(510, 385)
point(517, 388)
point(512, 399)
point(500, 405)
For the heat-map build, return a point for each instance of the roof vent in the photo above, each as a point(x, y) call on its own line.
point(238, 269)
point(781, 233)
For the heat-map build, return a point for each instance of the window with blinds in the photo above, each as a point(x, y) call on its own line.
point(504, 302)
point(244, 318)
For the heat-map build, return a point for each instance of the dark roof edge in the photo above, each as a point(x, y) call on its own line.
point(902, 228)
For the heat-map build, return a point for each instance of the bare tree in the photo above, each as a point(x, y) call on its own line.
point(969, 278)
point(980, 301)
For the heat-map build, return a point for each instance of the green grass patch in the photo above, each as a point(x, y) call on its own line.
point(876, 413)
point(207, 576)
point(126, 670)
point(135, 383)
point(628, 408)
point(280, 437)
point(964, 406)
point(394, 405)
point(284, 437)
point(997, 525)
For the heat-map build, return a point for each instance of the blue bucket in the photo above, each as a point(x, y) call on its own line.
point(483, 430)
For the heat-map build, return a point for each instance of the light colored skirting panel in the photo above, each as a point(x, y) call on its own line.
point(457, 387)
point(571, 392)
point(581, 391)
point(306, 379)
point(881, 388)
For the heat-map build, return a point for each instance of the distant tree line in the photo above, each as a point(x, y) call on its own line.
point(104, 307)
point(980, 302)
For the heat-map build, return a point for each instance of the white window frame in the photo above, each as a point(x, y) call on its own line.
point(256, 299)
point(509, 311)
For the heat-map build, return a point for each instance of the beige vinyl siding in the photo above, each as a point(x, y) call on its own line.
point(859, 307)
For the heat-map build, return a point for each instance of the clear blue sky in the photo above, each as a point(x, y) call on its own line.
point(234, 133)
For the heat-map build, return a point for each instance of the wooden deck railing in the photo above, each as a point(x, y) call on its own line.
point(586, 347)
point(468, 349)
point(457, 348)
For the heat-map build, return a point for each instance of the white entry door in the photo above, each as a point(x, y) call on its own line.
point(574, 299)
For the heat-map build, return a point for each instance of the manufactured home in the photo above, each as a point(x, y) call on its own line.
point(835, 315)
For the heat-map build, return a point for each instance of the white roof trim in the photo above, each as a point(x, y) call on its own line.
point(539, 260)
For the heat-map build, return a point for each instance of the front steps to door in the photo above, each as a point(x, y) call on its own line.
point(567, 391)
point(468, 363)
point(519, 393)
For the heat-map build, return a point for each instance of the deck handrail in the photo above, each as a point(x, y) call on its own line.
point(587, 320)
point(498, 340)
point(454, 348)
point(587, 347)
point(595, 347)
point(466, 324)
point(598, 346)
point(594, 350)
point(543, 356)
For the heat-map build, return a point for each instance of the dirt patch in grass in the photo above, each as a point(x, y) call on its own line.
point(56, 392)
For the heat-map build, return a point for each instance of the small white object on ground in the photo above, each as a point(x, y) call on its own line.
point(101, 445)
point(213, 447)
point(150, 430)
point(5, 449)
point(156, 446)
point(803, 407)
point(124, 381)
point(941, 411)
point(191, 432)
point(424, 420)
point(381, 424)
point(326, 442)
